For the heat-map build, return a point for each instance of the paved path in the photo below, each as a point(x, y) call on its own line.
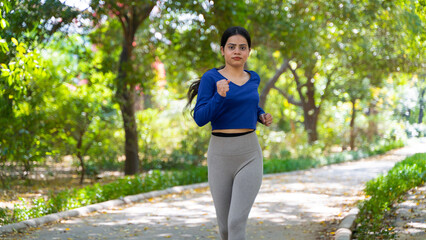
point(297, 205)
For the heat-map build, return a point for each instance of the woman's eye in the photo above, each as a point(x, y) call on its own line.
point(231, 47)
point(243, 48)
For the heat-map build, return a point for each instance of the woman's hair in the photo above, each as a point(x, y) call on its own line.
point(232, 31)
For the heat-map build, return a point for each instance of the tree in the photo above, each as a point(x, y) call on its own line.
point(80, 114)
point(131, 14)
point(309, 36)
point(21, 117)
point(306, 37)
point(34, 22)
point(145, 26)
point(23, 81)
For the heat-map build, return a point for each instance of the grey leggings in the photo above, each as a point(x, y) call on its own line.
point(235, 170)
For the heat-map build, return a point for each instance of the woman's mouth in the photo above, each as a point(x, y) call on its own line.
point(237, 58)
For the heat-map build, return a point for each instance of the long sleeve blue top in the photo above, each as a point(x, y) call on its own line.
point(239, 109)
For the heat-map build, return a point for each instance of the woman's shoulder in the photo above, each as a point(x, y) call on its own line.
point(211, 74)
point(253, 75)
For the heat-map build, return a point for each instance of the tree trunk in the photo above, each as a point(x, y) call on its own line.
point(372, 126)
point(352, 125)
point(271, 83)
point(83, 167)
point(3, 175)
point(307, 100)
point(126, 99)
point(421, 106)
point(130, 16)
point(131, 165)
point(80, 157)
point(310, 122)
point(310, 110)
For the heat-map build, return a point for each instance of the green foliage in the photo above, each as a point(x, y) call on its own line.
point(79, 107)
point(384, 146)
point(193, 147)
point(78, 197)
point(315, 159)
point(4, 8)
point(5, 216)
point(33, 22)
point(386, 190)
point(170, 139)
point(287, 165)
point(23, 84)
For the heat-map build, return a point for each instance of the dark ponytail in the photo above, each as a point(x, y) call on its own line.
point(192, 92)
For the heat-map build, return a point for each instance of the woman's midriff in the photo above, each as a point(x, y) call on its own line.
point(242, 130)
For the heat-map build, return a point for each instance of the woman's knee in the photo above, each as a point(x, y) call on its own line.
point(236, 226)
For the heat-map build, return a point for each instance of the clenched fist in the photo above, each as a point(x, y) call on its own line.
point(223, 87)
point(266, 119)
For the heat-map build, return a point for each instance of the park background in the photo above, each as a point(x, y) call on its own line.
point(95, 90)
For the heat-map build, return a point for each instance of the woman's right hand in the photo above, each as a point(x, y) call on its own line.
point(223, 87)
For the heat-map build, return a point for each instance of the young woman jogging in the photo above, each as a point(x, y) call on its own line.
point(228, 98)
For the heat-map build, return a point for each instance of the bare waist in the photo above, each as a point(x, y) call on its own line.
point(242, 130)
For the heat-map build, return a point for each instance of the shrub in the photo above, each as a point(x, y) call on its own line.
point(386, 190)
point(5, 216)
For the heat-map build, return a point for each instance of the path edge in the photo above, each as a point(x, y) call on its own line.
point(344, 232)
point(35, 222)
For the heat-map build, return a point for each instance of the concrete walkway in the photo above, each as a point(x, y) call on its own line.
point(296, 205)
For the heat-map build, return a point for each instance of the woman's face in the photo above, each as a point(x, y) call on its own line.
point(236, 51)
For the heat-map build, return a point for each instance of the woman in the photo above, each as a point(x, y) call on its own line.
point(228, 98)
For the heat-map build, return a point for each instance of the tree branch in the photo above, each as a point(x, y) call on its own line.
point(289, 97)
point(145, 12)
point(327, 85)
point(271, 83)
point(298, 85)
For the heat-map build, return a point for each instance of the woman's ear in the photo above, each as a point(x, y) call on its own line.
point(221, 51)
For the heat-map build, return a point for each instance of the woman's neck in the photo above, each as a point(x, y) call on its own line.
point(233, 71)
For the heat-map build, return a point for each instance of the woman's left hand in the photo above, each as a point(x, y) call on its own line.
point(266, 119)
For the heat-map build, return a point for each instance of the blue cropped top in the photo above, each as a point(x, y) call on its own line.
point(239, 109)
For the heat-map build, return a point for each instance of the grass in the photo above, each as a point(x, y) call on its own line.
point(384, 191)
point(286, 165)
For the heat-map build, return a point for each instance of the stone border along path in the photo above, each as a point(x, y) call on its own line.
point(295, 205)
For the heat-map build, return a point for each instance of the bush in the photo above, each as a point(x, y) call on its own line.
point(5, 216)
point(386, 190)
point(276, 165)
point(384, 146)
